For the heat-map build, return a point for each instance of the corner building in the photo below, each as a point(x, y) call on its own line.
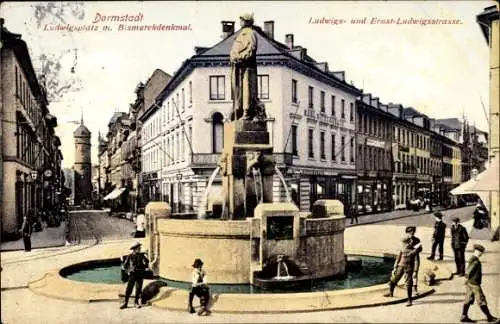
point(310, 114)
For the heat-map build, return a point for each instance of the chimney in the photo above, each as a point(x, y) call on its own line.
point(289, 40)
point(269, 28)
point(227, 29)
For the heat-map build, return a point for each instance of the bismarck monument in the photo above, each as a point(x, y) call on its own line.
point(258, 241)
point(246, 163)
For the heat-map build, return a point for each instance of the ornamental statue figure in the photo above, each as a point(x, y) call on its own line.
point(244, 71)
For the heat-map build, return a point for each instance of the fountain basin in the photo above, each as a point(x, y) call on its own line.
point(52, 284)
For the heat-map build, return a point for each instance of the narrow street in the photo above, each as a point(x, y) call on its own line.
point(91, 227)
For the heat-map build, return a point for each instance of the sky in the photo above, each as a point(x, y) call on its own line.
point(439, 69)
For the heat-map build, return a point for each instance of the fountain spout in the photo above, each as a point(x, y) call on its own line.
point(202, 210)
point(280, 175)
point(282, 265)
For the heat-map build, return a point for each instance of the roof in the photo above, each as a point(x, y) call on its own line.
point(81, 131)
point(14, 41)
point(485, 18)
point(269, 51)
point(115, 117)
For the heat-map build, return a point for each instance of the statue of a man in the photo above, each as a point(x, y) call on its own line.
point(244, 70)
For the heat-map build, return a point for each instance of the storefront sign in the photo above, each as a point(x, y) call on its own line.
point(375, 143)
point(304, 171)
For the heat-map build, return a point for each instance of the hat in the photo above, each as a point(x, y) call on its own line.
point(456, 220)
point(438, 214)
point(247, 17)
point(135, 245)
point(410, 229)
point(479, 247)
point(197, 263)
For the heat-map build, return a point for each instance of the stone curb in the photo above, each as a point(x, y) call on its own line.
point(53, 285)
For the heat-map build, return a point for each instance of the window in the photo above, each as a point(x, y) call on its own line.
point(342, 109)
point(294, 140)
point(351, 150)
point(217, 87)
point(342, 148)
point(351, 111)
point(322, 101)
point(263, 86)
point(183, 100)
point(310, 142)
point(322, 145)
point(360, 124)
point(190, 92)
point(310, 96)
point(217, 132)
point(333, 105)
point(334, 154)
point(294, 91)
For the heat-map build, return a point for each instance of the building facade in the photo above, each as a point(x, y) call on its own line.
point(489, 23)
point(374, 155)
point(30, 174)
point(310, 115)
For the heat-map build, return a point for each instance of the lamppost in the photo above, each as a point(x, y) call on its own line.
point(179, 178)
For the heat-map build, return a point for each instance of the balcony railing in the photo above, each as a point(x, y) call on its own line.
point(211, 159)
point(205, 159)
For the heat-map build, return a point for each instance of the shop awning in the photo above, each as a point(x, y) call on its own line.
point(115, 194)
point(489, 180)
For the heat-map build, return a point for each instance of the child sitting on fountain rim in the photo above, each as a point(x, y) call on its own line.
point(404, 264)
point(199, 288)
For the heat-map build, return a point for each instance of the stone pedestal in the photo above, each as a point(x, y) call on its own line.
point(246, 147)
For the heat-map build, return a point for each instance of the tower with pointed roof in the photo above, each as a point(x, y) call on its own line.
point(82, 165)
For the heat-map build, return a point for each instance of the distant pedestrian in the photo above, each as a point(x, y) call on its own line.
point(473, 287)
point(140, 222)
point(354, 214)
point(199, 288)
point(438, 236)
point(404, 265)
point(26, 230)
point(135, 265)
point(394, 200)
point(459, 239)
point(415, 241)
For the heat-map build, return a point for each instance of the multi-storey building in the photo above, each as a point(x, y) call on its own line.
point(412, 175)
point(146, 150)
point(30, 173)
point(489, 23)
point(310, 115)
point(374, 155)
point(473, 143)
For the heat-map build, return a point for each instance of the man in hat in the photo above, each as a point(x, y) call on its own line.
point(199, 288)
point(404, 265)
point(473, 287)
point(459, 239)
point(244, 70)
point(415, 244)
point(438, 236)
point(135, 264)
point(26, 231)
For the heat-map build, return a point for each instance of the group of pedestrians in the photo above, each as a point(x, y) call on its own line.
point(408, 262)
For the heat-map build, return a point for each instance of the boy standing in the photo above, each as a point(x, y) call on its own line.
point(473, 287)
point(404, 265)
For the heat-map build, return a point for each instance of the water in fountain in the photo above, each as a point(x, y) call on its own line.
point(202, 210)
point(280, 175)
point(286, 275)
